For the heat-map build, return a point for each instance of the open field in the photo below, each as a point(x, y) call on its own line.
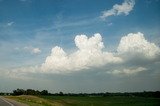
point(86, 101)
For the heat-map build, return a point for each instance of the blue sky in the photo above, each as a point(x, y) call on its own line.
point(29, 29)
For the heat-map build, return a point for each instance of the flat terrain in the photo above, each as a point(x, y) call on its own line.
point(86, 101)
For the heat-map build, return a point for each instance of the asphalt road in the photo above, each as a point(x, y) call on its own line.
point(9, 102)
point(4, 102)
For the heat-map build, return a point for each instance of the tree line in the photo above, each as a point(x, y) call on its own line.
point(45, 92)
point(29, 92)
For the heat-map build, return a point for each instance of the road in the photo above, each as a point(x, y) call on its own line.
point(9, 102)
point(3, 102)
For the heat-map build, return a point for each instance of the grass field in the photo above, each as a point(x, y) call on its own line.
point(86, 101)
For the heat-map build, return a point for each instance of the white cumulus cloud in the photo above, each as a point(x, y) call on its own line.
point(134, 54)
point(89, 54)
point(136, 44)
point(117, 9)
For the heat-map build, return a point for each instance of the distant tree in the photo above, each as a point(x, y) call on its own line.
point(30, 92)
point(61, 94)
point(18, 92)
point(37, 92)
point(1, 93)
point(44, 92)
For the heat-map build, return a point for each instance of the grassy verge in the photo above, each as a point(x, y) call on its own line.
point(34, 100)
point(86, 101)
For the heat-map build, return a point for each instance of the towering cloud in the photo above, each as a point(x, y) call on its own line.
point(137, 53)
point(134, 54)
point(117, 9)
point(136, 44)
point(89, 54)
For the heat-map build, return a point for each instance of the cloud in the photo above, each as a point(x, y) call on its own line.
point(10, 23)
point(134, 54)
point(117, 9)
point(89, 54)
point(133, 48)
point(110, 24)
point(20, 73)
point(135, 44)
point(137, 53)
point(36, 50)
point(32, 50)
point(6, 24)
point(127, 71)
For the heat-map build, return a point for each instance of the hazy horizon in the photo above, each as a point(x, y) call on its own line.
point(80, 46)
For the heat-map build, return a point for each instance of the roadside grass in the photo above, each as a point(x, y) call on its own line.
point(34, 100)
point(86, 101)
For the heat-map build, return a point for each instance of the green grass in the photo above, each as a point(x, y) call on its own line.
point(86, 101)
point(105, 101)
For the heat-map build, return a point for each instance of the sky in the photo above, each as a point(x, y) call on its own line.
point(79, 46)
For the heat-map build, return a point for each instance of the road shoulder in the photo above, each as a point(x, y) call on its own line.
point(15, 103)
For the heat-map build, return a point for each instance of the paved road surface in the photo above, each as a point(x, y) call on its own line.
point(3, 102)
point(9, 102)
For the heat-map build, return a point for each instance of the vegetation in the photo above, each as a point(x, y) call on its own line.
point(44, 98)
point(34, 100)
point(86, 100)
point(29, 92)
point(16, 92)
